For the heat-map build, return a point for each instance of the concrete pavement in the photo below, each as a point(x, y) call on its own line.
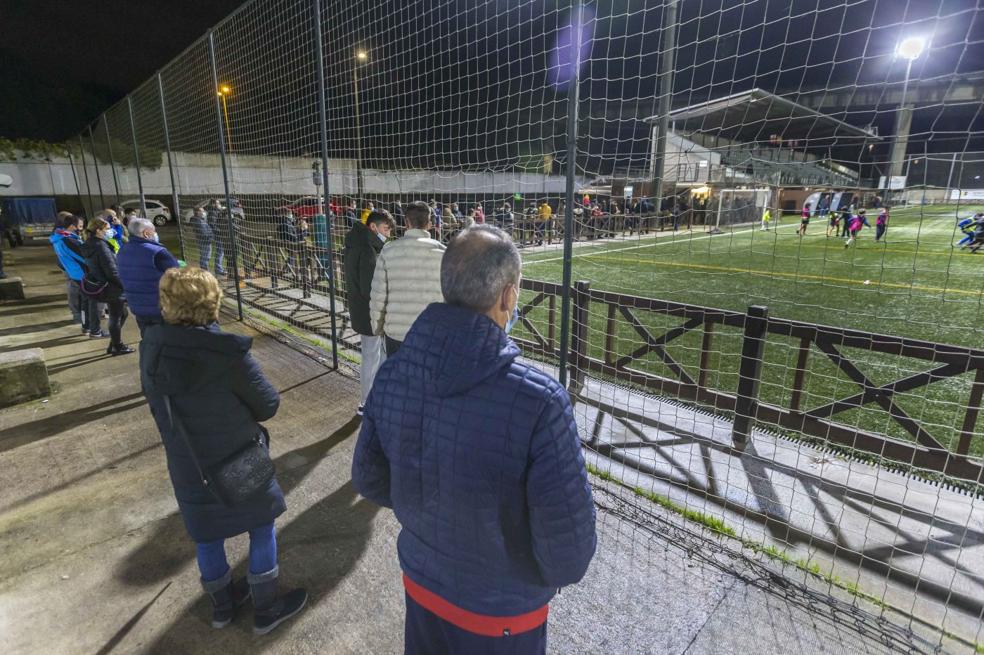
point(94, 558)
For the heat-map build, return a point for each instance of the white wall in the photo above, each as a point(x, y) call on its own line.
point(198, 174)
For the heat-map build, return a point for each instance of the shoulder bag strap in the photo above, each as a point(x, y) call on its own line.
point(178, 426)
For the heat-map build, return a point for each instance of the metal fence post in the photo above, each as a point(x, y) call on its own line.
point(112, 160)
point(666, 61)
point(75, 176)
point(225, 173)
point(136, 157)
point(573, 97)
point(95, 163)
point(323, 124)
point(170, 167)
point(85, 171)
point(749, 374)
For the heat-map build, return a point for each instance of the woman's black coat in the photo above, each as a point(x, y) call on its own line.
point(220, 394)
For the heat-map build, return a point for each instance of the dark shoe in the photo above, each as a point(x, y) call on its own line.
point(121, 349)
point(270, 610)
point(226, 596)
point(99, 334)
point(3, 276)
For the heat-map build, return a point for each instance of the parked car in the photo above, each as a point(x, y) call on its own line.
point(156, 211)
point(303, 207)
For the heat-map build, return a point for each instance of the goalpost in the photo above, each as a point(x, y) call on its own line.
point(743, 206)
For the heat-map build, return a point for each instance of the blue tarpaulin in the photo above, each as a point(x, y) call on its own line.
point(19, 211)
point(32, 218)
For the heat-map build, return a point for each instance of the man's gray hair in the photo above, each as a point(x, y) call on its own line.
point(477, 266)
point(138, 226)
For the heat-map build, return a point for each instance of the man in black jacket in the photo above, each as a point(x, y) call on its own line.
point(363, 244)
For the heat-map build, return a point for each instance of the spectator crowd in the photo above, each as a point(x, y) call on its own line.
point(476, 452)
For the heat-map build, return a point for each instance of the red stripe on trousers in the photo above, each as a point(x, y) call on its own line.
point(480, 624)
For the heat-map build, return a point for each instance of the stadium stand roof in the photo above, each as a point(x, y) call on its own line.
point(758, 115)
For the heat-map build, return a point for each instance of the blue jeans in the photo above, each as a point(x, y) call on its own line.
point(262, 554)
point(206, 238)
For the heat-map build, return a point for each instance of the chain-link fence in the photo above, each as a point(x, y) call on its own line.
point(748, 236)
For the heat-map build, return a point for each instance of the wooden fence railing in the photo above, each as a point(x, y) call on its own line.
point(943, 361)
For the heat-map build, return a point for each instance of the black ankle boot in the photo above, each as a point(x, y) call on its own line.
point(226, 596)
point(270, 610)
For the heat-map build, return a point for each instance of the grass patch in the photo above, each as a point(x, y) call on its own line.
point(318, 342)
point(915, 285)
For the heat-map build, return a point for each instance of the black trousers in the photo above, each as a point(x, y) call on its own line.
point(392, 345)
point(117, 317)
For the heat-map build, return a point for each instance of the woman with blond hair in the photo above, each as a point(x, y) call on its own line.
point(208, 397)
point(102, 284)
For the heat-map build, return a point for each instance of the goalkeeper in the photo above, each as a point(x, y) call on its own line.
point(966, 226)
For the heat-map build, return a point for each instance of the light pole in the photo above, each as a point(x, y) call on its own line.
point(360, 57)
point(225, 91)
point(909, 49)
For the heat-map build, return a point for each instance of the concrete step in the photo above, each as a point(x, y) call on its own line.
point(23, 376)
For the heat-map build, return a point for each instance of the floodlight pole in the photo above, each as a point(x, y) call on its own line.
point(225, 175)
point(360, 184)
point(903, 123)
point(573, 98)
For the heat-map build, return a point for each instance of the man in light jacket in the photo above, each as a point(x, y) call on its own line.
point(407, 279)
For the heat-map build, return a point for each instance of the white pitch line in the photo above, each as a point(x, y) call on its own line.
point(654, 244)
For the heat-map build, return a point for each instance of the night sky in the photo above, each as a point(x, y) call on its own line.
point(63, 62)
point(461, 83)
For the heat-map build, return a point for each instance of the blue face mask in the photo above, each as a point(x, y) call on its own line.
point(157, 238)
point(512, 320)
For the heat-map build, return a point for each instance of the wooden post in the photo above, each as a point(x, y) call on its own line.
point(749, 374)
point(579, 334)
point(798, 378)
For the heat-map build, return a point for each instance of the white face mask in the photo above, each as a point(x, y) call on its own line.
point(382, 237)
point(156, 238)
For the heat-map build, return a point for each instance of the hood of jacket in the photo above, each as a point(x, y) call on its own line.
point(361, 236)
point(453, 349)
point(178, 359)
point(59, 235)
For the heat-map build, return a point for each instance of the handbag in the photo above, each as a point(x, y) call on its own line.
point(93, 290)
point(240, 475)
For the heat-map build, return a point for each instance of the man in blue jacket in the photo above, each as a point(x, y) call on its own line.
point(141, 263)
point(479, 457)
point(67, 244)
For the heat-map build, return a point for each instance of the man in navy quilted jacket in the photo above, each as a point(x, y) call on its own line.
point(479, 457)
